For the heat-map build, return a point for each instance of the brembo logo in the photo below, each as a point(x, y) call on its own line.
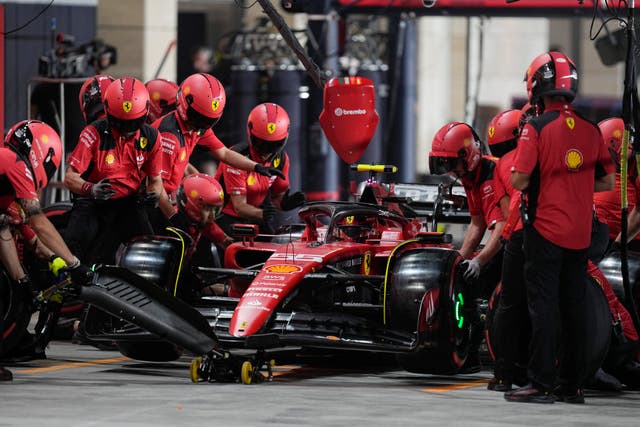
point(340, 112)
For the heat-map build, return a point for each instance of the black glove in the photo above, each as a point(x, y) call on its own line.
point(102, 190)
point(80, 274)
point(267, 171)
point(147, 199)
point(268, 212)
point(292, 201)
point(180, 220)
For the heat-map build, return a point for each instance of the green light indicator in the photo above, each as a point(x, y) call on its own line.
point(459, 304)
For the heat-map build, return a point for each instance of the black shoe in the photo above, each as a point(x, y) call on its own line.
point(471, 365)
point(530, 394)
point(569, 394)
point(5, 374)
point(499, 384)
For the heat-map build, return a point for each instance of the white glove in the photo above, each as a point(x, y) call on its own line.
point(473, 269)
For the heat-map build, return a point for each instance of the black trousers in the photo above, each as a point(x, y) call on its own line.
point(97, 228)
point(555, 280)
point(511, 328)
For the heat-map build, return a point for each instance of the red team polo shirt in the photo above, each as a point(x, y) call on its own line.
point(253, 185)
point(481, 194)
point(608, 204)
point(570, 152)
point(16, 182)
point(126, 163)
point(177, 146)
point(502, 185)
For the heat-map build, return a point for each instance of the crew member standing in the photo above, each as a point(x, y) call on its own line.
point(456, 150)
point(105, 171)
point(559, 156)
point(251, 197)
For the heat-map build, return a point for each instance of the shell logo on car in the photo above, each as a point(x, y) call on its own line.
point(283, 268)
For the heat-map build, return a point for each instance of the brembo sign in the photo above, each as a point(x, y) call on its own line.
point(344, 112)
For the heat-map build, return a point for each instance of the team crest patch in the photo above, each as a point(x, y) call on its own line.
point(366, 265)
point(143, 142)
point(109, 159)
point(573, 159)
point(251, 180)
point(215, 104)
point(183, 154)
point(491, 132)
point(126, 106)
point(276, 162)
point(271, 128)
point(570, 122)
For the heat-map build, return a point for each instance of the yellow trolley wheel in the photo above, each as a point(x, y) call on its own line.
point(246, 372)
point(194, 368)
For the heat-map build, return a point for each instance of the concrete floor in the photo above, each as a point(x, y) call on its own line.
point(82, 386)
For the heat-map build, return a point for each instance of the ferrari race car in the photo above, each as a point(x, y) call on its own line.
point(353, 275)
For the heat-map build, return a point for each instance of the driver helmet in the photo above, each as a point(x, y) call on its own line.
point(162, 94)
point(268, 129)
point(201, 197)
point(39, 146)
point(91, 97)
point(200, 101)
point(612, 130)
point(551, 74)
point(354, 228)
point(503, 131)
point(127, 105)
point(454, 143)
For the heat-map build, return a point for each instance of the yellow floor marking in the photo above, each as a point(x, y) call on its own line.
point(452, 387)
point(72, 365)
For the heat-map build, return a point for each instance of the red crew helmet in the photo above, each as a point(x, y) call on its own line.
point(198, 192)
point(92, 97)
point(612, 130)
point(201, 100)
point(39, 145)
point(503, 131)
point(126, 103)
point(551, 74)
point(162, 94)
point(453, 142)
point(268, 128)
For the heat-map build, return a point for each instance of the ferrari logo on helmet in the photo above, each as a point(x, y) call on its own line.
point(617, 133)
point(186, 90)
point(155, 96)
point(221, 196)
point(570, 122)
point(276, 162)
point(143, 142)
point(193, 194)
point(109, 159)
point(126, 106)
point(215, 104)
point(466, 142)
point(349, 220)
point(573, 160)
point(491, 132)
point(251, 180)
point(44, 138)
point(271, 128)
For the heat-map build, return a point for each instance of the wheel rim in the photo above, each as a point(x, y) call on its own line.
point(246, 372)
point(194, 369)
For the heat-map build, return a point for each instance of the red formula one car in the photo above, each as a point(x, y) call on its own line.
point(354, 276)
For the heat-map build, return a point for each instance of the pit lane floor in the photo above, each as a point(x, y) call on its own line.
point(82, 386)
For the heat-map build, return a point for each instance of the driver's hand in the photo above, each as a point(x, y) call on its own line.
point(472, 270)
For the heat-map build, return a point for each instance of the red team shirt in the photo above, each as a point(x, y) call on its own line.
point(481, 193)
point(126, 163)
point(253, 185)
point(16, 182)
point(177, 146)
point(565, 146)
point(502, 186)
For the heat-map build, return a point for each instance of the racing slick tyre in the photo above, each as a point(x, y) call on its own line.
point(14, 315)
point(151, 351)
point(427, 295)
point(611, 268)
